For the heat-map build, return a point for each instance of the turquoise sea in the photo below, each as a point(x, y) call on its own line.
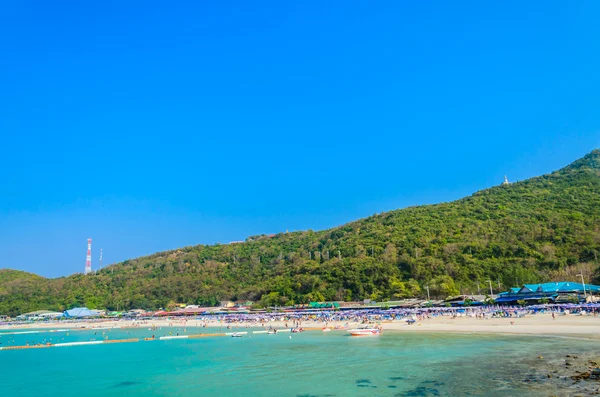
point(307, 364)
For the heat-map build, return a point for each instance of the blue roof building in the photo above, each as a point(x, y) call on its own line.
point(552, 291)
point(80, 312)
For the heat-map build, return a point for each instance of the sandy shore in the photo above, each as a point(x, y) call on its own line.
point(539, 324)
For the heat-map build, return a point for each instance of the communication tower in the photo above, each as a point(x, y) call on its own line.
point(88, 258)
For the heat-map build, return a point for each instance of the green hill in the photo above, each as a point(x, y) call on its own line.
point(12, 282)
point(531, 231)
point(8, 275)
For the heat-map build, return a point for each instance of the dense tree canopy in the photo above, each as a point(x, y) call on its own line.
point(529, 231)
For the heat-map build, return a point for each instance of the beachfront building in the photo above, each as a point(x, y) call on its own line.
point(323, 305)
point(463, 300)
point(556, 292)
point(82, 312)
point(243, 303)
point(39, 315)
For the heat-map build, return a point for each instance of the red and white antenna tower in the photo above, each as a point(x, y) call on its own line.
point(88, 258)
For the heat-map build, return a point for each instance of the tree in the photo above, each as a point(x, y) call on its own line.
point(573, 299)
point(443, 286)
point(413, 288)
point(398, 289)
point(271, 299)
point(315, 296)
point(549, 251)
point(376, 295)
point(390, 255)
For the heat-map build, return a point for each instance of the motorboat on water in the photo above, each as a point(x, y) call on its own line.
point(237, 335)
point(365, 331)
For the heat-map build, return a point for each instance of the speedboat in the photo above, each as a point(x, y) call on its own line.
point(237, 335)
point(365, 331)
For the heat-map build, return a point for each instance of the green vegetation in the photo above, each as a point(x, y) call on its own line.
point(530, 231)
point(573, 299)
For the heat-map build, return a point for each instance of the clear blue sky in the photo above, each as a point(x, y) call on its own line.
point(151, 126)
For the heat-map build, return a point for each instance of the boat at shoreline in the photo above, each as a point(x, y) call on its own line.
point(365, 331)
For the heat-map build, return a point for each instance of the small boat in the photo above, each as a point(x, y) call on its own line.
point(326, 329)
point(237, 335)
point(366, 331)
point(295, 330)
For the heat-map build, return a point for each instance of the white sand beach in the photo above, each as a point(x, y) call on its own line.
point(538, 324)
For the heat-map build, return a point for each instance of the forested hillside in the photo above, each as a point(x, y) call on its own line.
point(529, 231)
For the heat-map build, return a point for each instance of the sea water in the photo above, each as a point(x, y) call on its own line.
point(311, 363)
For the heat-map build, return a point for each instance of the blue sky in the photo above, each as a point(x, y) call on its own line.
point(153, 125)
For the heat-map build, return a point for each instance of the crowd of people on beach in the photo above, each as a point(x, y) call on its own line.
point(292, 321)
point(296, 318)
point(367, 316)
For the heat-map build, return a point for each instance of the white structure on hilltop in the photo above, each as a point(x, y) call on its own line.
point(88, 258)
point(506, 182)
